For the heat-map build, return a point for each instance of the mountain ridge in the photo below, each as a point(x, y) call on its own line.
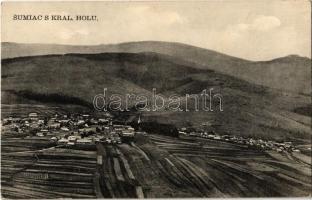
point(136, 42)
point(289, 73)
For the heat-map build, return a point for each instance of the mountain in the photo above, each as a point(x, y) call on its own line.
point(249, 109)
point(290, 73)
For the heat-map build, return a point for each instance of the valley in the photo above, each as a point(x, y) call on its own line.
point(56, 144)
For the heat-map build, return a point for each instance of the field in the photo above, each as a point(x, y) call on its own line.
point(168, 167)
point(154, 166)
point(224, 169)
point(22, 110)
point(34, 168)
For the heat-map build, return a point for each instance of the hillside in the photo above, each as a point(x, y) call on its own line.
point(290, 73)
point(249, 109)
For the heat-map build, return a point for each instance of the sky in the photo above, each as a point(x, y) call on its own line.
point(254, 30)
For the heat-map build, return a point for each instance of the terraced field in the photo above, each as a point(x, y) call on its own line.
point(154, 166)
point(194, 167)
point(43, 171)
point(116, 177)
point(22, 110)
point(213, 168)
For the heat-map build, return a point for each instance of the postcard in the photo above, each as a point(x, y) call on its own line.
point(155, 99)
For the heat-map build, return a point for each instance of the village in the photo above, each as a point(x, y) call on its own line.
point(81, 130)
point(259, 144)
point(85, 130)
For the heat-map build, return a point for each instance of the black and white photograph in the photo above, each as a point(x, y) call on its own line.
point(156, 99)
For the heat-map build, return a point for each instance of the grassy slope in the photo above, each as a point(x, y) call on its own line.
point(291, 73)
point(248, 109)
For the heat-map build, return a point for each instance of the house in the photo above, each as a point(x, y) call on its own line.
point(76, 133)
point(118, 126)
point(84, 141)
point(64, 129)
point(87, 129)
point(54, 125)
point(77, 136)
point(53, 138)
point(108, 141)
point(193, 134)
point(16, 119)
point(26, 123)
point(204, 134)
point(141, 132)
point(279, 149)
point(182, 133)
point(7, 120)
point(63, 141)
point(94, 121)
point(72, 138)
point(44, 131)
point(99, 160)
point(130, 129)
point(119, 130)
point(64, 121)
point(127, 134)
point(107, 114)
point(34, 126)
point(106, 129)
point(53, 119)
point(81, 122)
point(216, 137)
point(33, 116)
point(30, 115)
point(85, 116)
point(103, 121)
point(40, 134)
